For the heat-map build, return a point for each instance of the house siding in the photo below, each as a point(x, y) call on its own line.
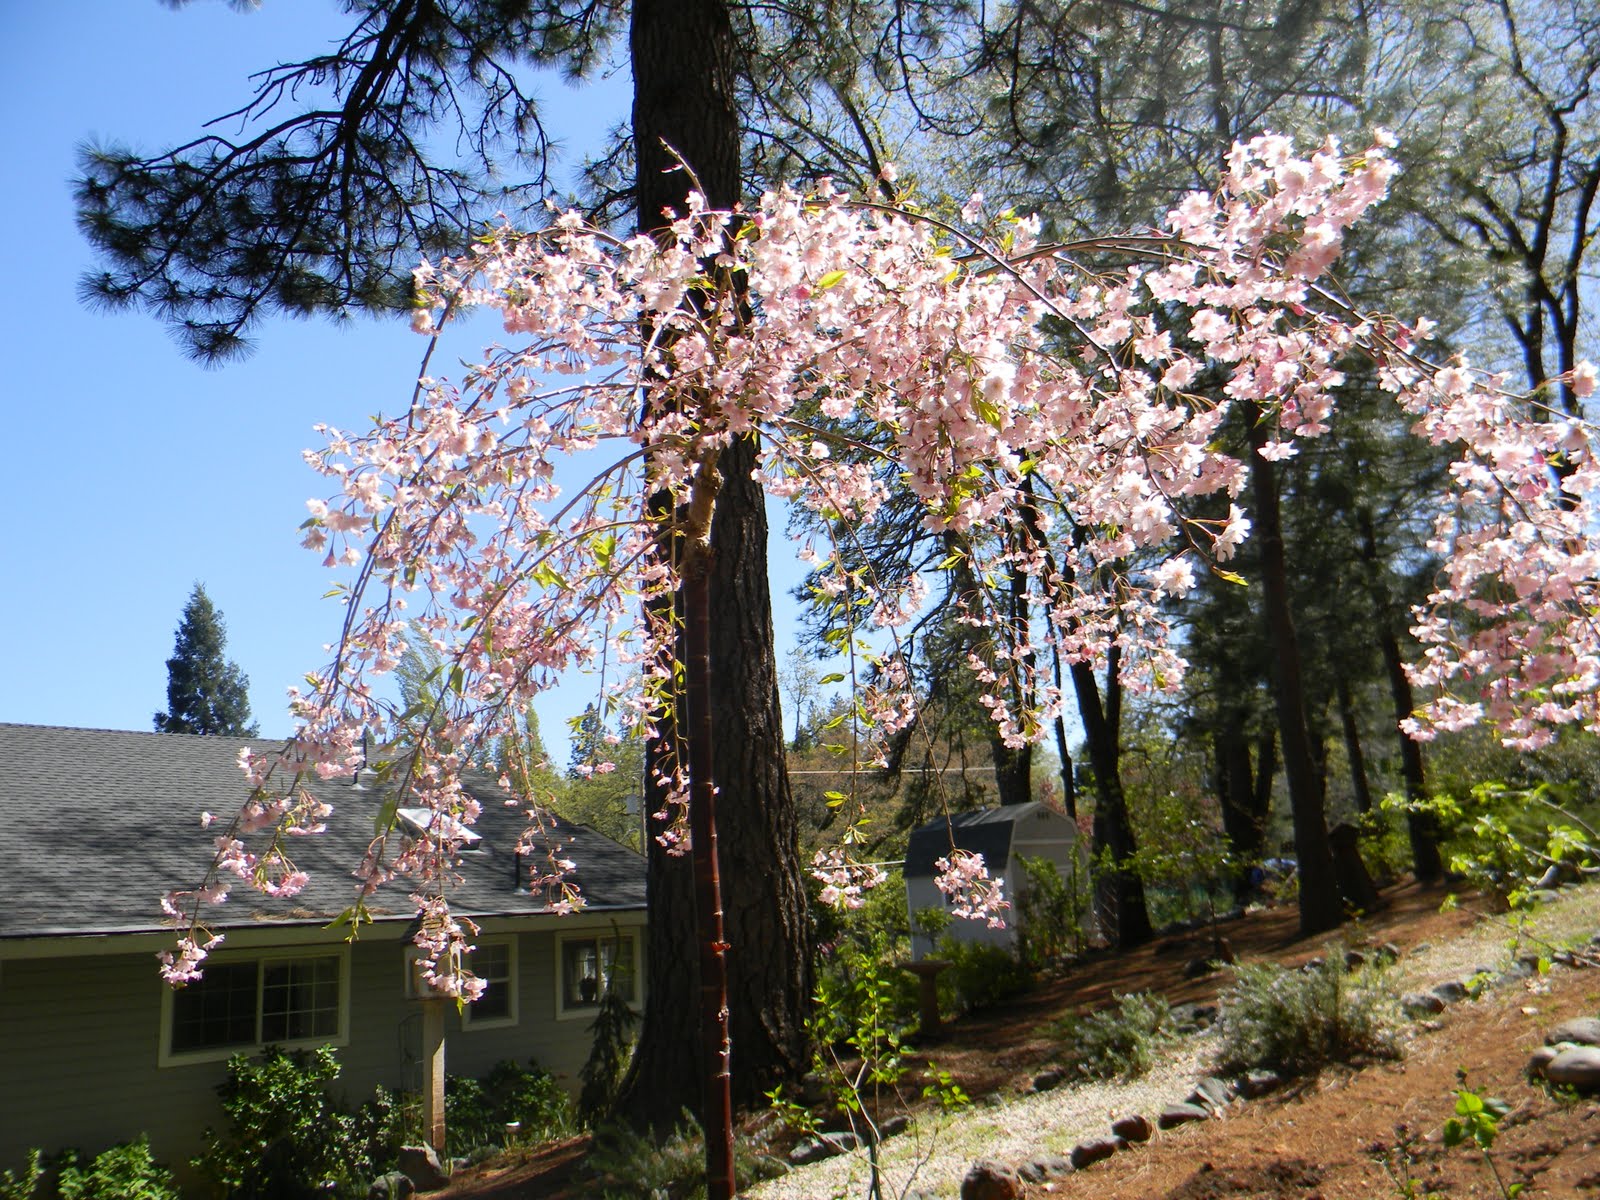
point(82, 1040)
point(79, 1069)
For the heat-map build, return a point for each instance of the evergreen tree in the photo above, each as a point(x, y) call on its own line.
point(206, 694)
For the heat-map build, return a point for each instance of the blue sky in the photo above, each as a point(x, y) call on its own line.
point(132, 473)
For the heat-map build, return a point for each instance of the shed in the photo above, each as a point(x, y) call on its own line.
point(1002, 835)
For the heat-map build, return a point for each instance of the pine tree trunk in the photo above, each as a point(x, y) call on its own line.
point(1423, 830)
point(1320, 906)
point(1245, 830)
point(1352, 748)
point(1112, 829)
point(683, 64)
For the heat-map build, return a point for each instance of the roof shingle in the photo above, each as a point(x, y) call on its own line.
point(96, 825)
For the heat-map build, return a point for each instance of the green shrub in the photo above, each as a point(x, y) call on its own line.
point(980, 975)
point(1120, 1042)
point(125, 1172)
point(629, 1165)
point(288, 1138)
point(1052, 913)
point(609, 1051)
point(21, 1187)
point(1298, 1021)
point(932, 923)
point(477, 1111)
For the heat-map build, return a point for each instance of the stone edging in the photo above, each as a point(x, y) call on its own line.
point(1567, 1059)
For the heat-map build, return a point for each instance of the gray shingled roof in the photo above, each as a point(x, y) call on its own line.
point(985, 831)
point(95, 825)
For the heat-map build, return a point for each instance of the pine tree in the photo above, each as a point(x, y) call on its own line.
point(206, 694)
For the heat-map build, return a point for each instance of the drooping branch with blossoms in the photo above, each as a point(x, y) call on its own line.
point(1047, 414)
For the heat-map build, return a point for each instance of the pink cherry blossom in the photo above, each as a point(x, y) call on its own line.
point(1035, 404)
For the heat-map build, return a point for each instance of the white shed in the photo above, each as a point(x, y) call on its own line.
point(1002, 835)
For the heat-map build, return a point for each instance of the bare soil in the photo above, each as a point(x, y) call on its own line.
point(1325, 1140)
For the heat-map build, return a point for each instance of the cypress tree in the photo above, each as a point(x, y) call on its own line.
point(206, 694)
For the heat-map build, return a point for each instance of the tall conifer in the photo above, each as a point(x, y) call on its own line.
point(206, 693)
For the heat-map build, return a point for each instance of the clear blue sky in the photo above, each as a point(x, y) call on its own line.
point(132, 473)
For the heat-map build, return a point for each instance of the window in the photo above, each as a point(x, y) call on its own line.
point(243, 1004)
point(494, 962)
point(588, 964)
point(299, 1000)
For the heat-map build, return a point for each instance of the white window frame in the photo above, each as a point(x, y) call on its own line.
point(634, 933)
point(168, 1057)
point(471, 1023)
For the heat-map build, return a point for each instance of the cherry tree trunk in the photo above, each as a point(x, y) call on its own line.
point(716, 1050)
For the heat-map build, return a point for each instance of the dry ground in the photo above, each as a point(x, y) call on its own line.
point(1323, 1140)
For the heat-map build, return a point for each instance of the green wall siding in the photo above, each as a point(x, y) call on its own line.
point(80, 1041)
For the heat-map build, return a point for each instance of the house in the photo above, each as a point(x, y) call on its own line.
point(95, 826)
point(1003, 836)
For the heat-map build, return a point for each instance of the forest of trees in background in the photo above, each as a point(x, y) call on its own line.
point(1102, 115)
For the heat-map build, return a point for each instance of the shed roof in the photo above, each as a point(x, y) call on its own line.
point(985, 831)
point(96, 825)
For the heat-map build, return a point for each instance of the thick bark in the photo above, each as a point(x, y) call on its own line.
point(764, 894)
point(1112, 829)
point(1320, 906)
point(683, 63)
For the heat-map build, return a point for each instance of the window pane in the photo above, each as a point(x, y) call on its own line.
point(580, 974)
point(618, 954)
point(589, 964)
point(300, 1000)
point(217, 1010)
point(491, 962)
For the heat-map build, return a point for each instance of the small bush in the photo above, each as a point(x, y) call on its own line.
point(1120, 1042)
point(1300, 1021)
point(981, 975)
point(288, 1138)
point(609, 1052)
point(1053, 913)
point(477, 1111)
point(125, 1172)
point(629, 1165)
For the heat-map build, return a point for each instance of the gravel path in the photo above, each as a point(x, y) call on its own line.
point(1019, 1129)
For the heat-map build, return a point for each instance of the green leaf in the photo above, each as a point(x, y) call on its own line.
point(835, 677)
point(831, 279)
